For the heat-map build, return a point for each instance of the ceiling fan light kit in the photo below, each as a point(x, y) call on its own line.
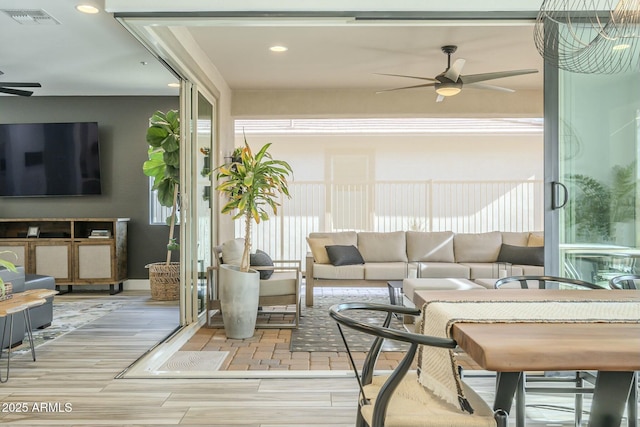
point(589, 36)
point(451, 81)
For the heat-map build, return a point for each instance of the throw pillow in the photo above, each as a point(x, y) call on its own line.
point(232, 251)
point(262, 259)
point(522, 255)
point(344, 255)
point(317, 245)
point(535, 240)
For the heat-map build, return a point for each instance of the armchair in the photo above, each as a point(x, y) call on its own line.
point(279, 294)
point(398, 399)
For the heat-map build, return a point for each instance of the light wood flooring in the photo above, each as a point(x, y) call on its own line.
point(73, 383)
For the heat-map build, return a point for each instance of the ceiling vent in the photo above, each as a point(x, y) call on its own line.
point(31, 16)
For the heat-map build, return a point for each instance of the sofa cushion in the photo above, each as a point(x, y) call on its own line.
point(344, 255)
point(345, 272)
point(531, 270)
point(318, 248)
point(385, 270)
point(515, 238)
point(536, 238)
point(280, 283)
point(261, 259)
point(232, 251)
point(484, 270)
point(383, 247)
point(528, 255)
point(338, 237)
point(477, 247)
point(443, 270)
point(434, 246)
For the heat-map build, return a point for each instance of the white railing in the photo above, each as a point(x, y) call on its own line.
point(458, 206)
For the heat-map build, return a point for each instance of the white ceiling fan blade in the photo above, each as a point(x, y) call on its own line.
point(406, 87)
point(440, 98)
point(410, 77)
point(454, 72)
point(489, 87)
point(474, 78)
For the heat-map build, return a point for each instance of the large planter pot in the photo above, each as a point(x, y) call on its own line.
point(239, 293)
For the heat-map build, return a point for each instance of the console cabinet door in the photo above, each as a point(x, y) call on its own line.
point(21, 251)
point(53, 259)
point(95, 262)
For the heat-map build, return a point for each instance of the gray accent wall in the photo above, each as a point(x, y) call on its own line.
point(122, 124)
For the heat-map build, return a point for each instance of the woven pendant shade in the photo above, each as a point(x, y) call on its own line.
point(590, 36)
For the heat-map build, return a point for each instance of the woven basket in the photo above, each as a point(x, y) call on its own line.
point(165, 281)
point(8, 292)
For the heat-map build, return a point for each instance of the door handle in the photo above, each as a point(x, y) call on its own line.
point(558, 188)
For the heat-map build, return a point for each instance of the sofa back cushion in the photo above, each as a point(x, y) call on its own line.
point(383, 247)
point(515, 238)
point(338, 238)
point(477, 247)
point(318, 246)
point(434, 246)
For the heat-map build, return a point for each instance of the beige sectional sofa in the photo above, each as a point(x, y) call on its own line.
point(399, 255)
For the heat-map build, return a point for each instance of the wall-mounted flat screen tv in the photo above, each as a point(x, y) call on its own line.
point(49, 159)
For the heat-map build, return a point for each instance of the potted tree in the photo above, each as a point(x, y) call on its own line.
point(252, 185)
point(163, 165)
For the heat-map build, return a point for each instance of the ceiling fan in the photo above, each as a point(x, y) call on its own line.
point(6, 87)
point(451, 81)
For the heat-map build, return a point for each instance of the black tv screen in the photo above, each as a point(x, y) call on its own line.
point(49, 159)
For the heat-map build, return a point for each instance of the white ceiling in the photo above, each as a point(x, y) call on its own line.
point(94, 55)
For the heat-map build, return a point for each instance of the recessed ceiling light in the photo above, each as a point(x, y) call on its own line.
point(87, 8)
point(621, 46)
point(278, 48)
point(174, 85)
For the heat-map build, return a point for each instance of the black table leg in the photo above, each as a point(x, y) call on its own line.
point(609, 398)
point(506, 385)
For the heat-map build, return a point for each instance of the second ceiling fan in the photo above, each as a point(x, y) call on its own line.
point(8, 87)
point(451, 80)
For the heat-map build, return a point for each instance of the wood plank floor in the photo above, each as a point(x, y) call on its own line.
point(73, 383)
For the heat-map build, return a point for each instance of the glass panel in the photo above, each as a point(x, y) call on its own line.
point(202, 196)
point(598, 152)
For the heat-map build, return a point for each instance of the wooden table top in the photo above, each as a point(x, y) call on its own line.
point(511, 347)
point(25, 300)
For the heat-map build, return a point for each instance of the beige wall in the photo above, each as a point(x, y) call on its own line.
point(414, 157)
point(366, 103)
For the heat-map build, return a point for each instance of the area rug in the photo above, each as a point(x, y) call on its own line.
point(68, 316)
point(319, 332)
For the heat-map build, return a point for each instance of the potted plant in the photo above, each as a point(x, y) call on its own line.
point(163, 165)
point(251, 184)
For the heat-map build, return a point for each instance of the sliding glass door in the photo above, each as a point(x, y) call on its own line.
point(596, 192)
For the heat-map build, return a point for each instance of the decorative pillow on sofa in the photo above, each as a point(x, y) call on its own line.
point(523, 255)
point(261, 259)
point(344, 255)
point(535, 239)
point(318, 250)
point(232, 251)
